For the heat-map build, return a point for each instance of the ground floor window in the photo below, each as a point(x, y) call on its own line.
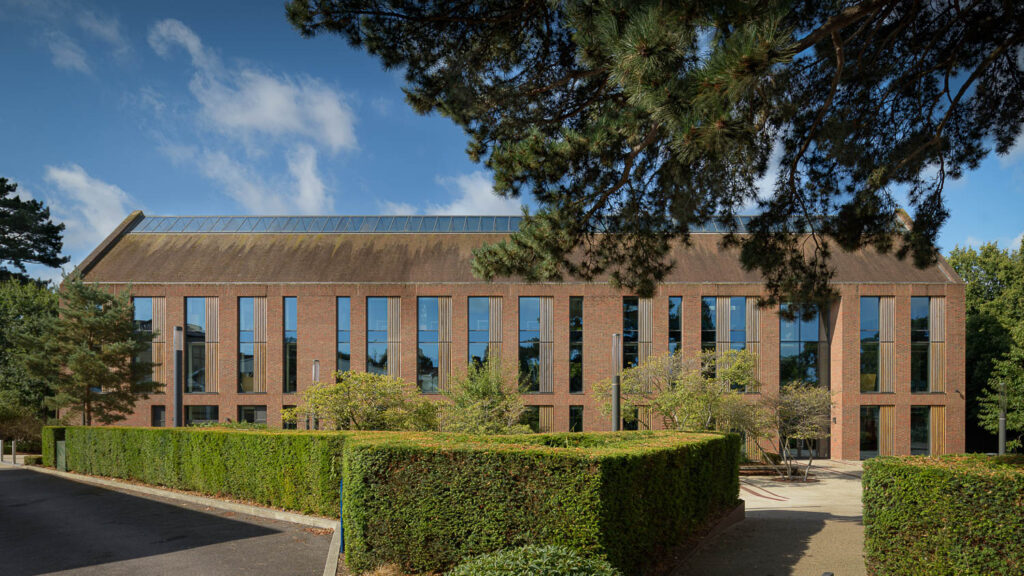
point(575, 418)
point(288, 425)
point(252, 414)
point(633, 421)
point(201, 414)
point(531, 417)
point(869, 431)
point(920, 430)
point(158, 416)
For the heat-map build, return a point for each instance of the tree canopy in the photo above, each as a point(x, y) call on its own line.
point(27, 235)
point(631, 122)
point(25, 308)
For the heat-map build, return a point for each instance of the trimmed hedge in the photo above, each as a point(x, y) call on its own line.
point(944, 515)
point(428, 501)
point(292, 470)
point(50, 436)
point(535, 561)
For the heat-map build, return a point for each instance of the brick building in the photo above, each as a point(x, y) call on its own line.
point(261, 299)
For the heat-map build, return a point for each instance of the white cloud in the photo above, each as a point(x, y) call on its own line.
point(66, 54)
point(312, 197)
point(89, 207)
point(245, 103)
point(475, 196)
point(106, 29)
point(239, 182)
point(388, 208)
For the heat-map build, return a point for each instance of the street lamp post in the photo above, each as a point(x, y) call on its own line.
point(178, 377)
point(1002, 418)
point(616, 393)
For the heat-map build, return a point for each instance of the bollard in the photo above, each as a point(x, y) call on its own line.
point(14, 451)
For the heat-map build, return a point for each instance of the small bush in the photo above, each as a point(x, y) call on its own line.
point(535, 561)
point(428, 501)
point(944, 515)
point(33, 460)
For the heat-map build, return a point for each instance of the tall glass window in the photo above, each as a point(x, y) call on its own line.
point(246, 344)
point(870, 431)
point(143, 323)
point(576, 345)
point(798, 344)
point(738, 323)
point(344, 334)
point(920, 430)
point(195, 345)
point(377, 335)
point(529, 344)
point(575, 418)
point(427, 356)
point(630, 331)
point(291, 344)
point(675, 323)
point(708, 322)
point(919, 344)
point(479, 328)
point(869, 344)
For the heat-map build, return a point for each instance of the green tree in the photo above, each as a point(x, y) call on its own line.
point(1008, 372)
point(89, 354)
point(25, 307)
point(27, 235)
point(364, 401)
point(798, 411)
point(994, 290)
point(630, 122)
point(705, 392)
point(484, 400)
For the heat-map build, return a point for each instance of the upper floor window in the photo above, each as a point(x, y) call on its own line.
point(377, 335)
point(529, 344)
point(291, 344)
point(344, 362)
point(143, 314)
point(479, 328)
point(246, 344)
point(195, 344)
point(575, 344)
point(427, 355)
point(675, 323)
point(798, 344)
point(738, 323)
point(630, 331)
point(869, 344)
point(708, 322)
point(920, 338)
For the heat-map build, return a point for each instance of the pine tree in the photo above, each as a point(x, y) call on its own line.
point(27, 235)
point(631, 122)
point(89, 352)
point(25, 307)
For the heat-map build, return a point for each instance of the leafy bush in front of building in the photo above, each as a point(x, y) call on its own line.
point(429, 501)
point(365, 401)
point(944, 515)
point(33, 460)
point(535, 561)
point(287, 469)
point(483, 400)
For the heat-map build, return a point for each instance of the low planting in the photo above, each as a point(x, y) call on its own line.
point(535, 561)
point(428, 501)
point(292, 470)
point(946, 515)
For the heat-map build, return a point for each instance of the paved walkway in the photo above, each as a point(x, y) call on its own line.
point(49, 525)
point(791, 529)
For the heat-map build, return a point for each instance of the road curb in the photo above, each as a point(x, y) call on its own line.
point(248, 509)
point(333, 555)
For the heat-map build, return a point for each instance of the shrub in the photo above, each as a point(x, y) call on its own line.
point(944, 515)
point(33, 460)
point(293, 470)
point(428, 501)
point(50, 436)
point(484, 400)
point(365, 401)
point(535, 561)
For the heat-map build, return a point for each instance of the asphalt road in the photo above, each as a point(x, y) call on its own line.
point(50, 525)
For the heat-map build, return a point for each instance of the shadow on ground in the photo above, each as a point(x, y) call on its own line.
point(51, 524)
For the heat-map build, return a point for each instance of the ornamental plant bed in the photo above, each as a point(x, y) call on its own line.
point(427, 501)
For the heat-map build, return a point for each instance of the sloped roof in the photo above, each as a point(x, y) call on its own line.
point(182, 256)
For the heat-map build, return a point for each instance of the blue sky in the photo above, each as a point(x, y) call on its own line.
point(192, 108)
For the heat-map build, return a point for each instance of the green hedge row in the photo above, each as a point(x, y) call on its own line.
point(49, 440)
point(535, 561)
point(293, 470)
point(946, 515)
point(428, 501)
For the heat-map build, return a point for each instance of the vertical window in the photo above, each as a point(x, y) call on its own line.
point(529, 344)
point(344, 334)
point(479, 328)
point(143, 323)
point(427, 355)
point(246, 345)
point(798, 344)
point(869, 344)
point(870, 431)
point(575, 418)
point(633, 422)
point(288, 425)
point(920, 430)
point(919, 344)
point(675, 323)
point(201, 414)
point(291, 344)
point(531, 417)
point(158, 416)
point(252, 414)
point(708, 322)
point(630, 331)
point(576, 346)
point(738, 323)
point(377, 335)
point(195, 345)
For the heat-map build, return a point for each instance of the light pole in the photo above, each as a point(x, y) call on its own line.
point(179, 376)
point(1002, 418)
point(616, 358)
